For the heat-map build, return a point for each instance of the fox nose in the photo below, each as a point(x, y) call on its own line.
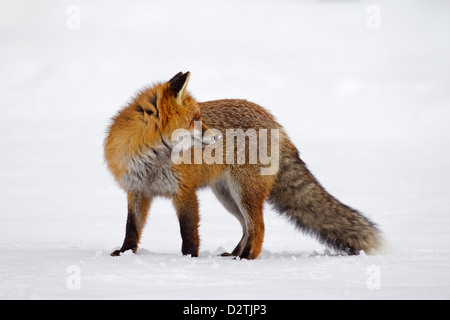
point(210, 137)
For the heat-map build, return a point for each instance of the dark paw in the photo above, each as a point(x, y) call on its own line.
point(227, 254)
point(119, 252)
point(116, 253)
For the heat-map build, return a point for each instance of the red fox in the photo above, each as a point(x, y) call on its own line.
point(139, 153)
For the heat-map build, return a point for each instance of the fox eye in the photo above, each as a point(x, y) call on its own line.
point(141, 110)
point(149, 112)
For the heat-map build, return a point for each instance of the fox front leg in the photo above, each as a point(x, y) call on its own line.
point(138, 207)
point(186, 205)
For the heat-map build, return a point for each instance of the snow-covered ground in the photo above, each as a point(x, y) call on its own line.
point(368, 108)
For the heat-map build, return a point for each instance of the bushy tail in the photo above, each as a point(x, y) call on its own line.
point(299, 196)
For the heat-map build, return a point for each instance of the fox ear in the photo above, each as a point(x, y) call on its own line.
point(179, 74)
point(178, 84)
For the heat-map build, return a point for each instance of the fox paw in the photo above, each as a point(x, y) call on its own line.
point(116, 253)
point(226, 254)
point(119, 252)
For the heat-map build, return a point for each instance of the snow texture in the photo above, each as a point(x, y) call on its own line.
point(362, 88)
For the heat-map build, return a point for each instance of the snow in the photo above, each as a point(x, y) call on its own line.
point(369, 110)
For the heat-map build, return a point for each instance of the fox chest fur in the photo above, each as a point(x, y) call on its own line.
point(150, 173)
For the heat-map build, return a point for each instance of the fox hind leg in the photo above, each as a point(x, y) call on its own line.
point(248, 212)
point(221, 190)
point(253, 206)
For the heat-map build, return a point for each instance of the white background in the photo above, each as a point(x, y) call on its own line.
point(368, 109)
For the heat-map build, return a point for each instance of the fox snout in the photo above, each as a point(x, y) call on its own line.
point(208, 136)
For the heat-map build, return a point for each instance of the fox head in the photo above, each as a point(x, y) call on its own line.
point(150, 119)
point(166, 107)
